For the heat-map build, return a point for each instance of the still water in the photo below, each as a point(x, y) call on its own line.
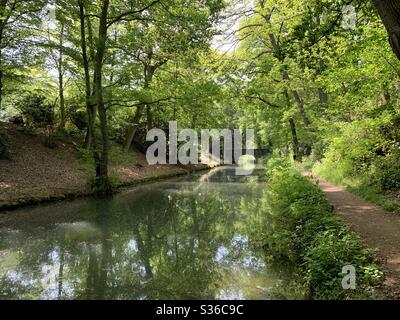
point(181, 239)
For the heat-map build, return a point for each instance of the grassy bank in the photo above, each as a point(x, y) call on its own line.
point(363, 157)
point(361, 185)
point(301, 232)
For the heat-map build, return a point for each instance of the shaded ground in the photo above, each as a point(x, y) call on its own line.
point(379, 230)
point(36, 172)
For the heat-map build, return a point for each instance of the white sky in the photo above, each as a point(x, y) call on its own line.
point(227, 41)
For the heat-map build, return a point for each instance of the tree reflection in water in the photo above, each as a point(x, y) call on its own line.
point(178, 240)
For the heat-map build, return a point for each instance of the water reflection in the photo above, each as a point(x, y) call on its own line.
point(176, 240)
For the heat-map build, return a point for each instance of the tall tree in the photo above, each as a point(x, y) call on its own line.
point(17, 19)
point(389, 11)
point(119, 13)
point(167, 35)
point(61, 83)
point(102, 177)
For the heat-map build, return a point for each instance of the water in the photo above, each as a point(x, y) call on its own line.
point(182, 239)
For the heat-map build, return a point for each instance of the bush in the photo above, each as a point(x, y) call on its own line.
point(301, 230)
point(79, 118)
point(332, 250)
point(385, 171)
point(372, 158)
point(36, 111)
point(391, 206)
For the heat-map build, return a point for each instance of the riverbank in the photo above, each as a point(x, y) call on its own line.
point(36, 173)
point(301, 232)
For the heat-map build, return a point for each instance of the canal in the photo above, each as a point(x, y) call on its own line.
point(185, 238)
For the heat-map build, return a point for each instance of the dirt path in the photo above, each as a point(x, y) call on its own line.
point(379, 230)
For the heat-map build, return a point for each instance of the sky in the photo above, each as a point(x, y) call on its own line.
point(227, 42)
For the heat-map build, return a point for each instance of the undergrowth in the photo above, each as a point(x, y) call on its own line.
point(365, 158)
point(117, 157)
point(301, 231)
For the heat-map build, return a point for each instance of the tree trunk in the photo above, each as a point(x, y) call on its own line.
point(323, 97)
point(1, 77)
point(104, 186)
point(90, 96)
point(389, 11)
point(294, 93)
point(2, 28)
point(149, 71)
point(296, 147)
point(88, 90)
point(61, 79)
point(90, 141)
point(299, 102)
point(150, 120)
point(133, 128)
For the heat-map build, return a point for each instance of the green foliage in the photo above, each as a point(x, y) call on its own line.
point(297, 76)
point(104, 186)
point(79, 118)
point(117, 158)
point(86, 163)
point(365, 158)
point(331, 251)
point(36, 111)
point(391, 206)
point(386, 171)
point(301, 230)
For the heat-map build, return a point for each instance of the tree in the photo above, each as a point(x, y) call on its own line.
point(389, 11)
point(102, 174)
point(17, 19)
point(163, 39)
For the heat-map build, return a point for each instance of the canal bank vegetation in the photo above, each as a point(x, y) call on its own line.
point(326, 92)
point(370, 167)
point(82, 82)
point(300, 232)
point(107, 72)
point(311, 78)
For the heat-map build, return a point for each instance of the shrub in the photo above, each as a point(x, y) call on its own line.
point(300, 229)
point(385, 171)
point(36, 111)
point(118, 156)
point(373, 158)
point(79, 118)
point(391, 206)
point(323, 262)
point(343, 161)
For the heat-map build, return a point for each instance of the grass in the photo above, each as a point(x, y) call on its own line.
point(360, 186)
point(117, 157)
